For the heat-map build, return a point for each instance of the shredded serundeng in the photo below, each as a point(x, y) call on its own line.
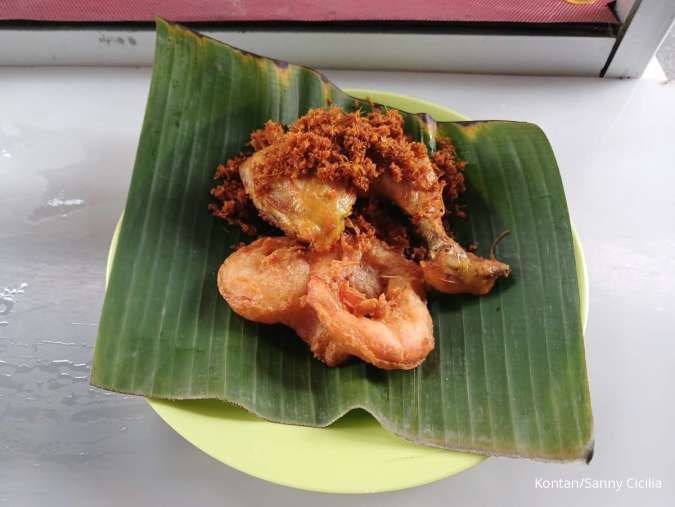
point(335, 145)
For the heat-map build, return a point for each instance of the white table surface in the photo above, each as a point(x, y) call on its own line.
point(67, 145)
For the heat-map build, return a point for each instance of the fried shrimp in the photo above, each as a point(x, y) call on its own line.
point(371, 302)
point(266, 282)
point(360, 299)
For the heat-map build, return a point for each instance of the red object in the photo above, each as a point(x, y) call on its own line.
point(523, 11)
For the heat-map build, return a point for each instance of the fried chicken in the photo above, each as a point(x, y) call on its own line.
point(305, 207)
point(350, 275)
point(448, 267)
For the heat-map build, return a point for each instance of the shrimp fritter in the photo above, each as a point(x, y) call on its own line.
point(371, 301)
point(266, 281)
point(360, 299)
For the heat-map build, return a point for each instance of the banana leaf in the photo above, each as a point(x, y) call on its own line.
point(508, 375)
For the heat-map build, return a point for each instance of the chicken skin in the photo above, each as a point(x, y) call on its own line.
point(307, 208)
point(448, 268)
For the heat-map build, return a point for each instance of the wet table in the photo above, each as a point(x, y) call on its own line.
point(67, 144)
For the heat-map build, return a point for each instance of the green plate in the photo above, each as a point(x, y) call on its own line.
point(355, 454)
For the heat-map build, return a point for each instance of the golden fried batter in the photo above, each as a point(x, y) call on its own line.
point(360, 299)
point(266, 281)
point(371, 301)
